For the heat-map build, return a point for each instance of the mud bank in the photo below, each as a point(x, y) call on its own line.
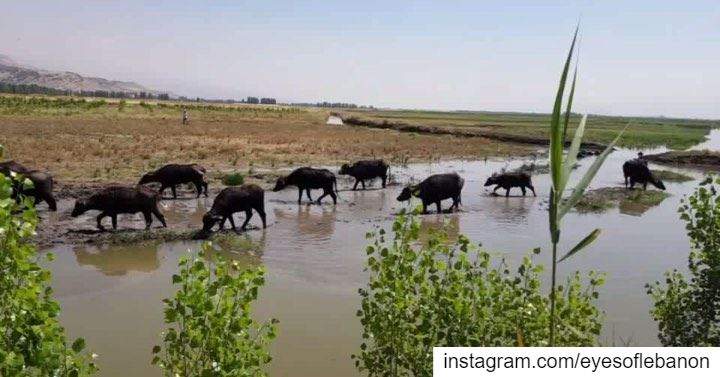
point(702, 159)
point(587, 149)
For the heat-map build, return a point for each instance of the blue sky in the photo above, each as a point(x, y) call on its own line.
point(637, 57)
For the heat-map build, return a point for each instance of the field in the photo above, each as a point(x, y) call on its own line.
point(93, 140)
point(643, 132)
point(98, 141)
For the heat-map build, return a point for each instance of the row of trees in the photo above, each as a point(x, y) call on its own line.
point(37, 89)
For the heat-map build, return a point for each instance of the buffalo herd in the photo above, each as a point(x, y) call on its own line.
point(114, 200)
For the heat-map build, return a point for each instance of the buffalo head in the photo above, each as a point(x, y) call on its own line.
point(209, 220)
point(491, 181)
point(147, 178)
point(280, 184)
point(407, 193)
point(344, 169)
point(81, 206)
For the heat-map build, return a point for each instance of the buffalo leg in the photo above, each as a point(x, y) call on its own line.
point(356, 183)
point(51, 203)
point(362, 181)
point(232, 222)
point(262, 217)
point(532, 189)
point(384, 180)
point(522, 188)
point(114, 221)
point(456, 203)
point(333, 196)
point(626, 181)
point(307, 191)
point(159, 216)
point(325, 193)
point(248, 216)
point(300, 195)
point(99, 220)
point(222, 223)
point(507, 192)
point(424, 207)
point(162, 189)
point(148, 219)
point(198, 187)
point(205, 185)
point(645, 186)
point(173, 191)
point(439, 207)
point(495, 189)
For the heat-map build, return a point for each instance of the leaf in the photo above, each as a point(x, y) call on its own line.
point(156, 349)
point(589, 175)
point(571, 157)
point(78, 345)
point(568, 109)
point(556, 134)
point(582, 244)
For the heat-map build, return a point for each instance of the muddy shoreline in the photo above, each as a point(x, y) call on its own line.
point(586, 148)
point(688, 159)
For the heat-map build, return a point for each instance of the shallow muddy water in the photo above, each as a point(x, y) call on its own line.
point(314, 256)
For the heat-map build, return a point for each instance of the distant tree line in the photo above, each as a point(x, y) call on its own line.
point(37, 89)
point(332, 104)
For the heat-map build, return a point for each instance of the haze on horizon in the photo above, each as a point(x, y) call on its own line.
point(650, 58)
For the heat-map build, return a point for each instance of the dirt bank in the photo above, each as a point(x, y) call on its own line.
point(587, 149)
point(699, 159)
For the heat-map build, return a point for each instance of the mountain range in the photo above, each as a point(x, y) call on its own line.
point(13, 73)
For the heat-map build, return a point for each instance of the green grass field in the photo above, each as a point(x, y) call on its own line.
point(643, 132)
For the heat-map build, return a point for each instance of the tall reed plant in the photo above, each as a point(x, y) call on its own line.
point(561, 166)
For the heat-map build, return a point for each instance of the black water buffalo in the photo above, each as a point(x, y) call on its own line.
point(435, 189)
point(510, 180)
point(367, 169)
point(638, 172)
point(42, 189)
point(307, 178)
point(175, 174)
point(235, 199)
point(115, 200)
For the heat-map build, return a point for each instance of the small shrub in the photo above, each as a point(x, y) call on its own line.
point(32, 343)
point(688, 310)
point(122, 104)
point(212, 332)
point(444, 294)
point(233, 179)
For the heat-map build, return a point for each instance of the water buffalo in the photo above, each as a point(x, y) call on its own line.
point(235, 199)
point(638, 172)
point(307, 178)
point(367, 169)
point(115, 200)
point(510, 180)
point(175, 174)
point(42, 189)
point(435, 189)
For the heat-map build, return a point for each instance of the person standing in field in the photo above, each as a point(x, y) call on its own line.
point(185, 117)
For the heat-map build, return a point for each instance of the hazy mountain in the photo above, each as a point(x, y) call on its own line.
point(14, 73)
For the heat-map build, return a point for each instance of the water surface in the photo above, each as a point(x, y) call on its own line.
point(314, 257)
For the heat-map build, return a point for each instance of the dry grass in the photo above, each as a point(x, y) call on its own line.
point(107, 142)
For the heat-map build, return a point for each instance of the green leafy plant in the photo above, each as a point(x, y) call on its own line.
point(439, 293)
point(561, 167)
point(233, 179)
point(211, 331)
point(688, 310)
point(32, 342)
